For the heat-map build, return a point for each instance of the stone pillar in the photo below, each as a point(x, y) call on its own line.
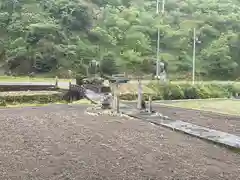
point(56, 82)
point(115, 96)
point(117, 103)
point(150, 104)
point(70, 74)
point(139, 101)
point(69, 84)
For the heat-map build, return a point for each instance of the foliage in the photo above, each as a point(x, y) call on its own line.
point(187, 91)
point(57, 35)
point(32, 98)
point(108, 65)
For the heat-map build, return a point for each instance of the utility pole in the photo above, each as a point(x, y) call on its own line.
point(158, 36)
point(194, 56)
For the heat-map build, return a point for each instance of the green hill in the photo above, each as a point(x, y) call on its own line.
point(52, 36)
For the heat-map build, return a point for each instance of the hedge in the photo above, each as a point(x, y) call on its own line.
point(168, 91)
point(31, 98)
point(165, 91)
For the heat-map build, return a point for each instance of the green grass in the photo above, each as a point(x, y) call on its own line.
point(29, 104)
point(187, 82)
point(133, 88)
point(23, 78)
point(83, 102)
point(28, 93)
point(227, 106)
point(206, 82)
point(47, 79)
point(28, 79)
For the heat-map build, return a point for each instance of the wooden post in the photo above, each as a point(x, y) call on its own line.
point(117, 103)
point(139, 103)
point(150, 104)
point(56, 82)
point(70, 84)
point(116, 97)
point(70, 95)
point(113, 98)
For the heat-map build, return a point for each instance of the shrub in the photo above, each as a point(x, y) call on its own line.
point(80, 79)
point(234, 89)
point(173, 91)
point(191, 92)
point(131, 96)
point(38, 99)
point(3, 103)
point(218, 91)
point(169, 91)
point(203, 92)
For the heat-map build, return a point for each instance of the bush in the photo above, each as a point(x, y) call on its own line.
point(128, 96)
point(219, 91)
point(37, 99)
point(203, 92)
point(191, 92)
point(131, 97)
point(80, 79)
point(168, 91)
point(172, 91)
point(3, 103)
point(234, 89)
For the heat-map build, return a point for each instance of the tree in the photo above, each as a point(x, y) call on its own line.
point(108, 65)
point(57, 35)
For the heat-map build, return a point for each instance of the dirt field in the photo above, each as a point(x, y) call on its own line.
point(226, 123)
point(60, 142)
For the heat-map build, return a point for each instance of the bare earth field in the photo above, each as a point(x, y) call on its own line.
point(225, 123)
point(60, 142)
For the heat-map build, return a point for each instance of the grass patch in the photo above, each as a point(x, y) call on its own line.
point(205, 82)
point(152, 86)
point(28, 93)
point(32, 104)
point(231, 107)
point(40, 78)
point(171, 91)
point(132, 88)
point(82, 101)
point(37, 104)
point(32, 97)
point(28, 79)
point(187, 82)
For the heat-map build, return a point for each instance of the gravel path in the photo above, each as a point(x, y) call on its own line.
point(60, 142)
point(225, 123)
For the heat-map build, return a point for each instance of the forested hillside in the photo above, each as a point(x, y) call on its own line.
point(57, 35)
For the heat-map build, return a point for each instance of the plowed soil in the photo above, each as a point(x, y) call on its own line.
point(225, 123)
point(60, 142)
